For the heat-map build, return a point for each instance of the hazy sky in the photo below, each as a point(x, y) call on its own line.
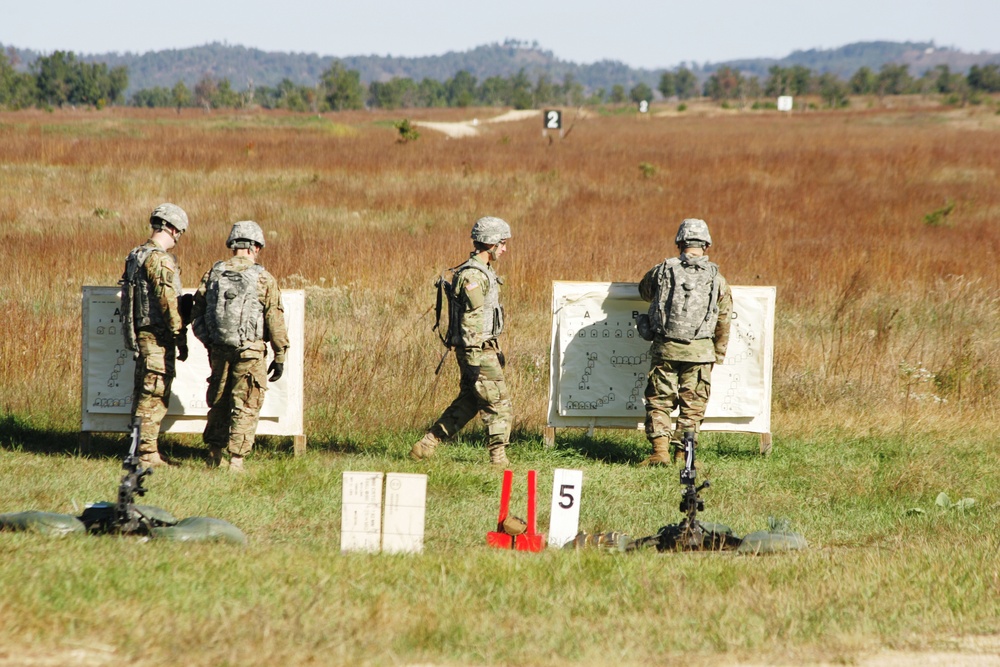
point(640, 33)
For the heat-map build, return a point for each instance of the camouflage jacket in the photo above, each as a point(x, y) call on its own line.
point(269, 295)
point(162, 277)
point(477, 294)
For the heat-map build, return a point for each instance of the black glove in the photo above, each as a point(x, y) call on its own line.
point(182, 345)
point(275, 369)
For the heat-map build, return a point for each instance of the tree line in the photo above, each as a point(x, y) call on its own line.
point(61, 79)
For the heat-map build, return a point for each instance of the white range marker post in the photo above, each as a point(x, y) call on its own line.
point(361, 513)
point(405, 505)
point(564, 521)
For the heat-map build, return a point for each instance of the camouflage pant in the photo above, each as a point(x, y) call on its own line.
point(235, 395)
point(676, 384)
point(486, 393)
point(154, 373)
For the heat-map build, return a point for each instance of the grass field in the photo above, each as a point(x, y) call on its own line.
point(879, 228)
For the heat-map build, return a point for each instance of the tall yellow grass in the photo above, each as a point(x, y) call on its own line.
point(883, 318)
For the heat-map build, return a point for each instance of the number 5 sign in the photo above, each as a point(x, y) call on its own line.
point(564, 521)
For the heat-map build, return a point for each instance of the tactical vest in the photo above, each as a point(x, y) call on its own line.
point(492, 310)
point(234, 315)
point(686, 304)
point(139, 309)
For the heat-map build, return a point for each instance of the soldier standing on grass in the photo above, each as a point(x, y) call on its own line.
point(152, 324)
point(237, 311)
point(475, 321)
point(688, 321)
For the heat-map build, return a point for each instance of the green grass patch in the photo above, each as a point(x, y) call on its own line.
point(876, 574)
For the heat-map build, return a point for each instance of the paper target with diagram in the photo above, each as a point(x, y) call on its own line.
point(599, 362)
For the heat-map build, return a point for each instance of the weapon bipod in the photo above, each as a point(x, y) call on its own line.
point(690, 534)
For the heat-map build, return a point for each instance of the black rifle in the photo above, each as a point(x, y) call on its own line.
point(691, 534)
point(127, 519)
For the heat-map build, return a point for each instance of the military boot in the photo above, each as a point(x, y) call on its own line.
point(424, 448)
point(661, 455)
point(216, 458)
point(155, 460)
point(236, 464)
point(498, 455)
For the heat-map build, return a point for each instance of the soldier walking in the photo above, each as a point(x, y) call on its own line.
point(152, 324)
point(688, 321)
point(237, 311)
point(475, 321)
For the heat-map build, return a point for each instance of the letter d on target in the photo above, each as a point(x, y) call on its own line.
point(564, 522)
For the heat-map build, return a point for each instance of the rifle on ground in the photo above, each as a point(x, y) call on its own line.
point(127, 519)
point(691, 535)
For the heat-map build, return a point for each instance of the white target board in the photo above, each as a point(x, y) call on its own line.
point(361, 512)
point(108, 371)
point(405, 507)
point(599, 363)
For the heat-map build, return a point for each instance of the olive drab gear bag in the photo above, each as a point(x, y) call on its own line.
point(447, 292)
point(135, 295)
point(686, 306)
point(234, 315)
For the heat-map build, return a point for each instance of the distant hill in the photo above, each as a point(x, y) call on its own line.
point(243, 65)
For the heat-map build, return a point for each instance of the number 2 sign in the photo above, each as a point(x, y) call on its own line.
point(552, 119)
point(564, 519)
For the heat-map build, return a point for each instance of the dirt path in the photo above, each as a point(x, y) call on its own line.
point(470, 128)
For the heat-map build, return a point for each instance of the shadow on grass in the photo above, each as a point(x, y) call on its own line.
point(610, 447)
point(18, 434)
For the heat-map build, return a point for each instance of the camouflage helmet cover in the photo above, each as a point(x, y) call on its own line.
point(490, 230)
point(693, 232)
point(245, 230)
point(172, 214)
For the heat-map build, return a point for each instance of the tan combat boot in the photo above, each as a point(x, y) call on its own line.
point(236, 464)
point(424, 448)
point(498, 455)
point(155, 460)
point(661, 455)
point(216, 458)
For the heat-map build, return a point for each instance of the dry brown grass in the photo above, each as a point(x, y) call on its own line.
point(882, 318)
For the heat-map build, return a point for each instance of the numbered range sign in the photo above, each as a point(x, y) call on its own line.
point(564, 522)
point(643, 106)
point(552, 119)
point(785, 103)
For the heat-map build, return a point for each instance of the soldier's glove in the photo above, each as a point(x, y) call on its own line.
point(275, 369)
point(470, 374)
point(185, 302)
point(513, 526)
point(182, 345)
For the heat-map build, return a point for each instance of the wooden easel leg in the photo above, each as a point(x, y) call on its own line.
point(84, 443)
point(765, 444)
point(549, 436)
point(298, 445)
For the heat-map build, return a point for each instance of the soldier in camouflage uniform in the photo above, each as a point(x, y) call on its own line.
point(476, 318)
point(688, 321)
point(152, 324)
point(237, 311)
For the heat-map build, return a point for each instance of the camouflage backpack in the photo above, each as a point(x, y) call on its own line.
point(493, 318)
point(234, 315)
point(686, 306)
point(135, 295)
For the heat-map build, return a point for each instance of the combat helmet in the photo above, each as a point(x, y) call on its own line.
point(244, 233)
point(693, 233)
point(172, 214)
point(490, 230)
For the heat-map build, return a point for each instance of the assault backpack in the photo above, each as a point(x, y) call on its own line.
point(135, 295)
point(686, 307)
point(234, 315)
point(446, 295)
